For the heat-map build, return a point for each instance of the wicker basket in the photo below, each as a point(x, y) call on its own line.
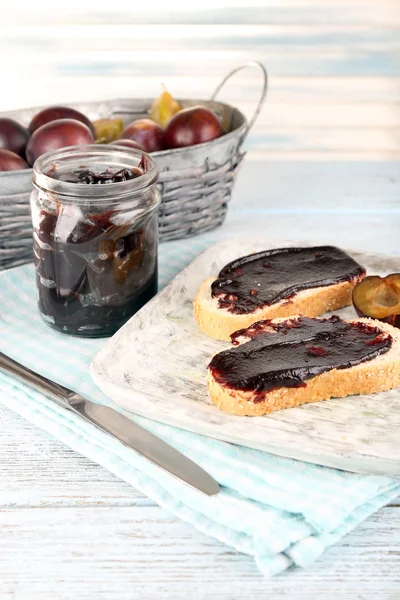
point(195, 183)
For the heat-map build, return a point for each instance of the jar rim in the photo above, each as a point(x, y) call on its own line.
point(105, 155)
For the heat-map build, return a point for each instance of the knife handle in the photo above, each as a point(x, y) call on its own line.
point(57, 392)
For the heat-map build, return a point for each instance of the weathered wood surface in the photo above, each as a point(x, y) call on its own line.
point(322, 165)
point(69, 528)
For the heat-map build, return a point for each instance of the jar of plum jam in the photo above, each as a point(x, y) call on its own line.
point(94, 213)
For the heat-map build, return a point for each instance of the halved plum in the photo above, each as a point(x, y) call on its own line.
point(379, 298)
point(107, 130)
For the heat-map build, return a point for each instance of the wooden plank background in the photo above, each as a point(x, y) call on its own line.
point(334, 66)
point(322, 163)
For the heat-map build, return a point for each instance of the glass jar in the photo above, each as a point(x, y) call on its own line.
point(95, 236)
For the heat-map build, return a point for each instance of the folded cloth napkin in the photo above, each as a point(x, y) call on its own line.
point(282, 512)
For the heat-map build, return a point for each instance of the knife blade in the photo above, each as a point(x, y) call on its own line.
point(118, 426)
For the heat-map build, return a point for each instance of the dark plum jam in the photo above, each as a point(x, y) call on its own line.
point(96, 259)
point(267, 277)
point(89, 177)
point(288, 353)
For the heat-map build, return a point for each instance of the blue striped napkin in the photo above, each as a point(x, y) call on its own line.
point(282, 512)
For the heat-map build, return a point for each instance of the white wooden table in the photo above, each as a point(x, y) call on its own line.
point(323, 164)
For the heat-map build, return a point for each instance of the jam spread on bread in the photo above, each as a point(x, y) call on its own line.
point(268, 277)
point(285, 354)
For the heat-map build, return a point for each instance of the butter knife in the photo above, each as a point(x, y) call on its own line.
point(119, 426)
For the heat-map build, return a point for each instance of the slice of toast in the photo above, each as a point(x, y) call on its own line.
point(219, 323)
point(274, 283)
point(376, 375)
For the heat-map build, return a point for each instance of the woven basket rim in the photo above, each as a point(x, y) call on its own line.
point(237, 132)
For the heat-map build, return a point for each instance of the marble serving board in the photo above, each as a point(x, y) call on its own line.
point(155, 366)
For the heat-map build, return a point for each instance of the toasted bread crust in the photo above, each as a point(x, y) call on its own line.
point(377, 375)
point(220, 323)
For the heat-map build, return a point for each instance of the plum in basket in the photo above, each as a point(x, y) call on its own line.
point(55, 113)
point(192, 126)
point(56, 135)
point(127, 144)
point(9, 161)
point(164, 108)
point(13, 136)
point(145, 132)
point(107, 130)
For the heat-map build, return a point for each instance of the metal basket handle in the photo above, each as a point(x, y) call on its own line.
point(263, 96)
